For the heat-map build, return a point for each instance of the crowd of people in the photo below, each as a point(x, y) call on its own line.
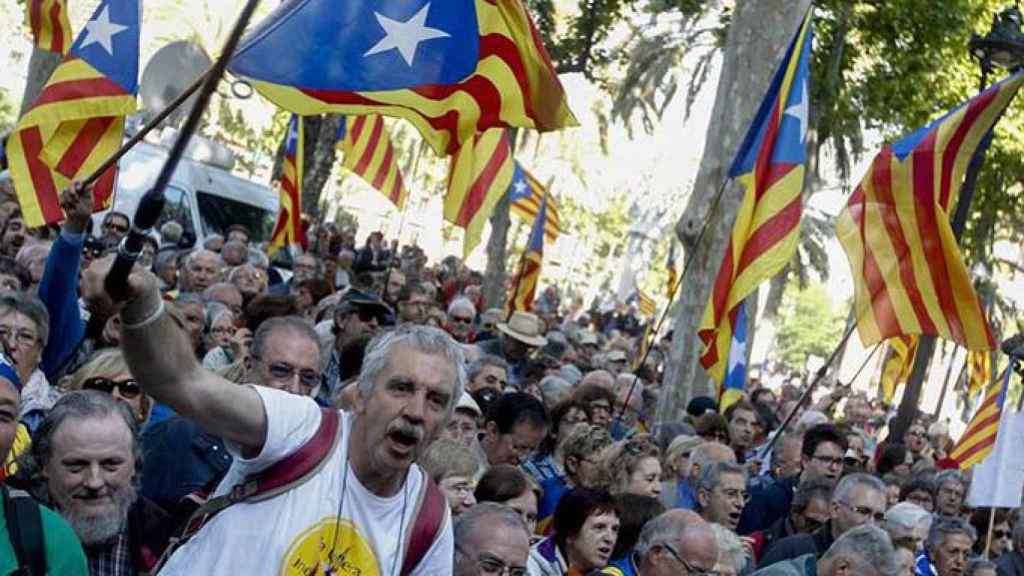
point(372, 413)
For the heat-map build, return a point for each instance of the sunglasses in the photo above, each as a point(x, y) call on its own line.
point(1000, 534)
point(128, 389)
point(461, 320)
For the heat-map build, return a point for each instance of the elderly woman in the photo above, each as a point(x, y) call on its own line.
point(908, 525)
point(218, 333)
point(732, 554)
point(675, 465)
point(509, 485)
point(454, 467)
point(25, 329)
point(633, 466)
point(586, 526)
point(107, 371)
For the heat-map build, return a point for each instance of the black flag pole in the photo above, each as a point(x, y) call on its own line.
point(152, 203)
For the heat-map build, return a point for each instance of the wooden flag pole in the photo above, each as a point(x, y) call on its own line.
point(991, 525)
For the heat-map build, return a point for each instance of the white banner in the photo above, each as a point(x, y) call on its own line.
point(998, 479)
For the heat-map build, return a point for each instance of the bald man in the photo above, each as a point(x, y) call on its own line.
point(676, 542)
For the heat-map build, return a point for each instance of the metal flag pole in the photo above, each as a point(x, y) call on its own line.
point(152, 203)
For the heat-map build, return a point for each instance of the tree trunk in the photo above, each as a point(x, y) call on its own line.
point(497, 254)
point(40, 67)
point(497, 245)
point(756, 43)
point(321, 138)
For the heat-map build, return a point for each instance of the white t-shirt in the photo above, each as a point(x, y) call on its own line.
point(293, 534)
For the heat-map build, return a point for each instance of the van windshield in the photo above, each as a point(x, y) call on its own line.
point(217, 213)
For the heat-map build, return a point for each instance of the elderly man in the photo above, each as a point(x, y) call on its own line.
point(702, 457)
point(948, 548)
point(459, 321)
point(493, 539)
point(810, 511)
point(858, 499)
point(488, 372)
point(182, 457)
point(84, 465)
point(908, 525)
point(462, 426)
point(349, 513)
point(676, 542)
point(520, 336)
point(721, 493)
point(202, 269)
point(62, 551)
point(864, 551)
point(358, 315)
point(234, 253)
point(950, 489)
point(227, 294)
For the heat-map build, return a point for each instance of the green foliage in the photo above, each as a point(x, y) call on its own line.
point(810, 326)
point(8, 112)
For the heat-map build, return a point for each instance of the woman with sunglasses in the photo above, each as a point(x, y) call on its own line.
point(107, 371)
point(1002, 533)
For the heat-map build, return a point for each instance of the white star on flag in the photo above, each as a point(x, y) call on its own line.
point(405, 36)
point(102, 31)
point(800, 112)
point(520, 187)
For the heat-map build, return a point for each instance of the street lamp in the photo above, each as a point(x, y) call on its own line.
point(1003, 46)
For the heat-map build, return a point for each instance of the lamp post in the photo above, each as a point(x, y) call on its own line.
point(1002, 47)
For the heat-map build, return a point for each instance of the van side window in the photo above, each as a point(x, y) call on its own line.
point(177, 208)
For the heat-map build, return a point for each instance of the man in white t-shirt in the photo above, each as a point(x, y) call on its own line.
point(354, 515)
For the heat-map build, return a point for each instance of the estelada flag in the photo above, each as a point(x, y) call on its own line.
point(979, 438)
point(526, 195)
point(770, 165)
point(478, 176)
point(77, 122)
point(288, 229)
point(51, 28)
point(452, 68)
point(909, 276)
point(368, 153)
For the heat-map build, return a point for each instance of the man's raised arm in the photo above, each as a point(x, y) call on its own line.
point(159, 355)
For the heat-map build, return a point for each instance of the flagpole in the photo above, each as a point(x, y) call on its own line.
point(152, 202)
point(153, 123)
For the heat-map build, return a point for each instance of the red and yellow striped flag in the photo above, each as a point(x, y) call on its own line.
point(898, 365)
point(770, 165)
point(77, 122)
point(453, 69)
point(524, 287)
point(526, 195)
point(909, 275)
point(51, 28)
point(979, 372)
point(288, 230)
point(478, 176)
point(646, 304)
point(979, 438)
point(370, 155)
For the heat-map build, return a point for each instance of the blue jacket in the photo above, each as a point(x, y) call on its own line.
point(59, 292)
point(180, 458)
point(768, 502)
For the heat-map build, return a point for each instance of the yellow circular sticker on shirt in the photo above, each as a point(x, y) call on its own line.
point(331, 547)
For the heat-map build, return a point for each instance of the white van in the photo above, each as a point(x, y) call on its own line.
point(204, 197)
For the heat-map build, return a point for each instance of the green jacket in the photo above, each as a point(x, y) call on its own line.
point(64, 555)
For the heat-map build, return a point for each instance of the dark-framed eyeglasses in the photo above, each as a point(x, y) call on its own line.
point(865, 512)
point(128, 388)
point(283, 371)
point(690, 568)
point(122, 228)
point(490, 565)
point(462, 320)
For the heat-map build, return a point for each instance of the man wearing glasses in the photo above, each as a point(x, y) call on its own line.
point(858, 499)
point(491, 540)
point(285, 355)
point(115, 227)
point(676, 543)
point(722, 493)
